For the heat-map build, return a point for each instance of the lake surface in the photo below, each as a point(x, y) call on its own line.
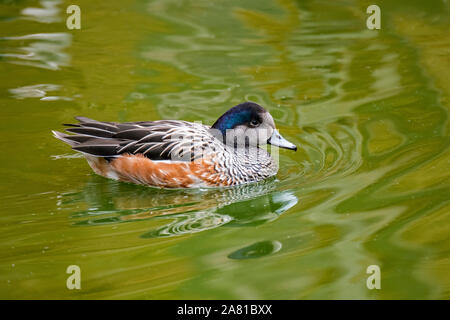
point(369, 184)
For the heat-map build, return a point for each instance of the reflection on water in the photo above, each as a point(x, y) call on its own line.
point(38, 91)
point(179, 212)
point(256, 250)
point(49, 13)
point(368, 185)
point(42, 50)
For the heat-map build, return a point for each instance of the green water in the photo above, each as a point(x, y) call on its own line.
point(368, 186)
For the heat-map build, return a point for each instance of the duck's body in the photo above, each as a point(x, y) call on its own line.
point(176, 154)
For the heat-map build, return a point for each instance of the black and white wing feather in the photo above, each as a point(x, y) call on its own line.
point(157, 140)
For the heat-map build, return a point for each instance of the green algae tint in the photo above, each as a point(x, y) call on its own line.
point(369, 184)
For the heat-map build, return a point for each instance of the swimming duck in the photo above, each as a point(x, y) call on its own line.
point(181, 154)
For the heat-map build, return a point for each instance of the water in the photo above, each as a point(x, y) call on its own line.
point(368, 186)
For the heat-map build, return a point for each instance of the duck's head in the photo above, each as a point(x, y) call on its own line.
point(249, 124)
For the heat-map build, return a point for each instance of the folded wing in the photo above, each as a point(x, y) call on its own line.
point(157, 140)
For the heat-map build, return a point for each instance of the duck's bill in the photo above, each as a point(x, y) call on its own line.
point(277, 140)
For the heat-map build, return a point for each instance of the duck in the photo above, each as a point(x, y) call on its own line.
point(181, 154)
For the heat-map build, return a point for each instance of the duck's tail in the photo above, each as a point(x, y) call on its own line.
point(67, 138)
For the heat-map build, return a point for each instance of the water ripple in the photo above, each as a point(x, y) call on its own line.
point(43, 50)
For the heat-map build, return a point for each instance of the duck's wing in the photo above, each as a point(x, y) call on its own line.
point(157, 140)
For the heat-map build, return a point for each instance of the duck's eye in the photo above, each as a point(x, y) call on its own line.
point(254, 123)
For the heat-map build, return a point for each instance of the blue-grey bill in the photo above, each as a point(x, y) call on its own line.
point(277, 140)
